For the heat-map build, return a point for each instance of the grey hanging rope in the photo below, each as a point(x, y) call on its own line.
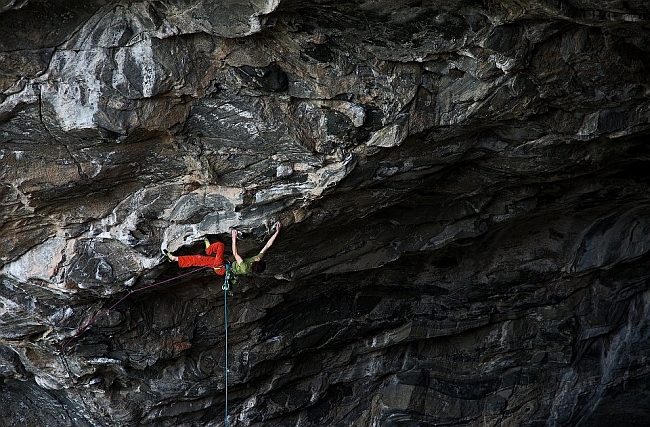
point(226, 288)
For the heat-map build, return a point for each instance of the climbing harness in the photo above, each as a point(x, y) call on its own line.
point(226, 288)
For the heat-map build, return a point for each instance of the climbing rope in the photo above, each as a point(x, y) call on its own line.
point(105, 311)
point(226, 288)
point(94, 319)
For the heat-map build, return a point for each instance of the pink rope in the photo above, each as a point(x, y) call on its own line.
point(105, 311)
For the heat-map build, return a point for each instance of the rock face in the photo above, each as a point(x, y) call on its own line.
point(463, 187)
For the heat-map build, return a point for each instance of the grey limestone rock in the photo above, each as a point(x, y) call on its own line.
point(463, 187)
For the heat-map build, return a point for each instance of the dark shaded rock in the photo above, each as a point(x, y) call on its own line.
point(270, 78)
point(463, 188)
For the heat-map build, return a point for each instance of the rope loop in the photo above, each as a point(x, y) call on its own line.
point(105, 311)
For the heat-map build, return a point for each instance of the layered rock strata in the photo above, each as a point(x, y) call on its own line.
point(463, 188)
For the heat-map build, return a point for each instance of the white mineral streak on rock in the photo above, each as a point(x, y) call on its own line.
point(386, 338)
point(269, 6)
point(72, 86)
point(104, 361)
point(503, 63)
point(254, 24)
point(242, 19)
point(244, 416)
point(48, 382)
point(277, 192)
point(133, 207)
point(284, 170)
point(230, 108)
point(142, 55)
point(319, 180)
point(621, 352)
point(122, 232)
point(7, 306)
point(589, 125)
point(224, 215)
point(26, 95)
point(265, 8)
point(72, 89)
point(389, 136)
point(13, 4)
point(39, 263)
point(565, 397)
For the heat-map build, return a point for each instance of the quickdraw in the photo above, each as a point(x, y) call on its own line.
point(226, 280)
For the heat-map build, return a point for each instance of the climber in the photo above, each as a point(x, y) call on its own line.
point(215, 257)
point(254, 264)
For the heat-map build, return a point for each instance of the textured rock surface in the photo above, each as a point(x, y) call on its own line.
point(464, 188)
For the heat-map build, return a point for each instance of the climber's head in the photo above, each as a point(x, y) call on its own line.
point(258, 266)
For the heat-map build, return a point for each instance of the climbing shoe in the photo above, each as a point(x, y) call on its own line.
point(168, 254)
point(207, 243)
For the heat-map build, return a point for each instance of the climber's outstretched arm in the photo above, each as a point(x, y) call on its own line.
point(238, 258)
point(278, 225)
